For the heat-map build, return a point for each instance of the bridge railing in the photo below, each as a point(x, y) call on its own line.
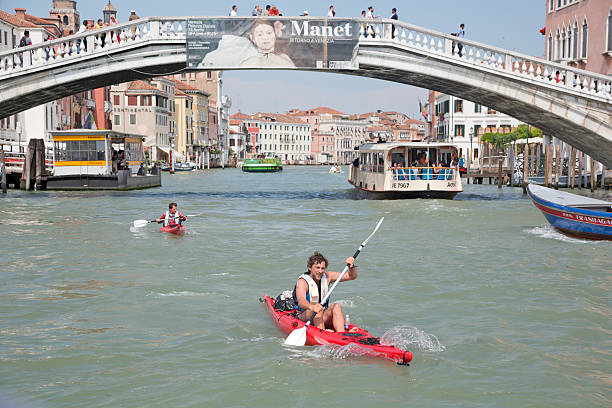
point(484, 56)
point(106, 40)
point(92, 42)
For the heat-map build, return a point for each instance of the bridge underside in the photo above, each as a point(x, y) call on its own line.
point(555, 113)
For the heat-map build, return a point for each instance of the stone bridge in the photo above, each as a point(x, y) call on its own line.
point(570, 104)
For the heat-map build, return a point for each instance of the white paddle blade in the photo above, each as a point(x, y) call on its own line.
point(297, 337)
point(140, 223)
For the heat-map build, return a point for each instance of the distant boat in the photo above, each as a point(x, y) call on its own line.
point(267, 165)
point(180, 167)
point(572, 214)
point(335, 169)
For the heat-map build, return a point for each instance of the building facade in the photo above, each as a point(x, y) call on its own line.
point(463, 122)
point(141, 108)
point(276, 135)
point(579, 33)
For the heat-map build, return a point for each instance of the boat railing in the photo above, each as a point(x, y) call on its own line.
point(423, 173)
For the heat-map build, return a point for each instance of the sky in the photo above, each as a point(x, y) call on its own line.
point(512, 25)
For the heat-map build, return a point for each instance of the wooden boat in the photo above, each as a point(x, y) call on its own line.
point(390, 171)
point(572, 214)
point(262, 165)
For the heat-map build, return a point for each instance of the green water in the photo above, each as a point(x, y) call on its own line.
point(498, 309)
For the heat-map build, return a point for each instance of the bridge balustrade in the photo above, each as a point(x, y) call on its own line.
point(426, 41)
point(486, 57)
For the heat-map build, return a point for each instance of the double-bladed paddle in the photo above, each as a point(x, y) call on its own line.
point(298, 336)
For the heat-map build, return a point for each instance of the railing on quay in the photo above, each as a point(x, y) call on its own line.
point(458, 50)
point(14, 161)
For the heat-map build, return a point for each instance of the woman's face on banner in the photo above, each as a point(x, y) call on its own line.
point(263, 37)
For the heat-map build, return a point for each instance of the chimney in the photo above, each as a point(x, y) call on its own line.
point(20, 12)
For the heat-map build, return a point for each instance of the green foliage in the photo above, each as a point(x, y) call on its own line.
point(502, 139)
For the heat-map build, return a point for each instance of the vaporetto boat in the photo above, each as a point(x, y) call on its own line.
point(406, 170)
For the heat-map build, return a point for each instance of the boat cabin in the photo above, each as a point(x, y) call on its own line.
point(103, 152)
point(94, 159)
point(407, 170)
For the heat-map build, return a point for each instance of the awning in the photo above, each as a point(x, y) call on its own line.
point(175, 153)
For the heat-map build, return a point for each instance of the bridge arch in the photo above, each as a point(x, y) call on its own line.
point(568, 103)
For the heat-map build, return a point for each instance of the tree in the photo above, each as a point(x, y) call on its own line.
point(500, 140)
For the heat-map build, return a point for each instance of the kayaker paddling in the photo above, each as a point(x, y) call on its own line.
point(312, 287)
point(172, 217)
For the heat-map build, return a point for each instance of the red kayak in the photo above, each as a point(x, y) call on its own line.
point(174, 229)
point(287, 322)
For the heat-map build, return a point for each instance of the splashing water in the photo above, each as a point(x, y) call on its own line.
point(336, 352)
point(550, 232)
point(410, 337)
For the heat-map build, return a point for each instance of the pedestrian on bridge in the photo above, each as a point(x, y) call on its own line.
point(133, 16)
point(393, 17)
point(24, 42)
point(331, 12)
point(234, 11)
point(460, 34)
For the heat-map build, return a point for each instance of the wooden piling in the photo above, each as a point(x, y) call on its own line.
point(499, 174)
point(525, 168)
point(580, 163)
point(572, 167)
point(593, 174)
point(538, 159)
point(40, 163)
point(2, 170)
point(557, 166)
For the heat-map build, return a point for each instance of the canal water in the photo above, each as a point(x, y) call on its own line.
point(498, 309)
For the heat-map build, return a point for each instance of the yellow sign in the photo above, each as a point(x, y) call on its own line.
point(78, 137)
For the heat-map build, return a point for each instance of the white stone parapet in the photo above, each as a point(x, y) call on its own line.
point(572, 104)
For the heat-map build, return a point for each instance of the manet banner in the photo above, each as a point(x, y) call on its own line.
point(272, 42)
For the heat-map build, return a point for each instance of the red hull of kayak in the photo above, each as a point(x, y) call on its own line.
point(359, 337)
point(174, 229)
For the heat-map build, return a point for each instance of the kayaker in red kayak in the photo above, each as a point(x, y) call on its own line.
point(312, 287)
point(171, 217)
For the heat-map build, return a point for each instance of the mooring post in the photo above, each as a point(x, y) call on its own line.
point(2, 169)
point(593, 174)
point(525, 168)
point(557, 166)
point(572, 167)
point(499, 173)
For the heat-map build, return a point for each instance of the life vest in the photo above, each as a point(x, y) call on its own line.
point(172, 219)
point(312, 296)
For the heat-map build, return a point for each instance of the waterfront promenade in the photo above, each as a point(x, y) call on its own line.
point(498, 309)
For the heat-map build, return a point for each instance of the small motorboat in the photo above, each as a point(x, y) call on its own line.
point(175, 229)
point(573, 214)
point(335, 170)
point(184, 166)
point(361, 341)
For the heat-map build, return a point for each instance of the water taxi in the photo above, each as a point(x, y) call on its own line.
point(406, 170)
point(85, 159)
point(262, 165)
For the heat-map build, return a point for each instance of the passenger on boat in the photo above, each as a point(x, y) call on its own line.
point(312, 287)
point(172, 216)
